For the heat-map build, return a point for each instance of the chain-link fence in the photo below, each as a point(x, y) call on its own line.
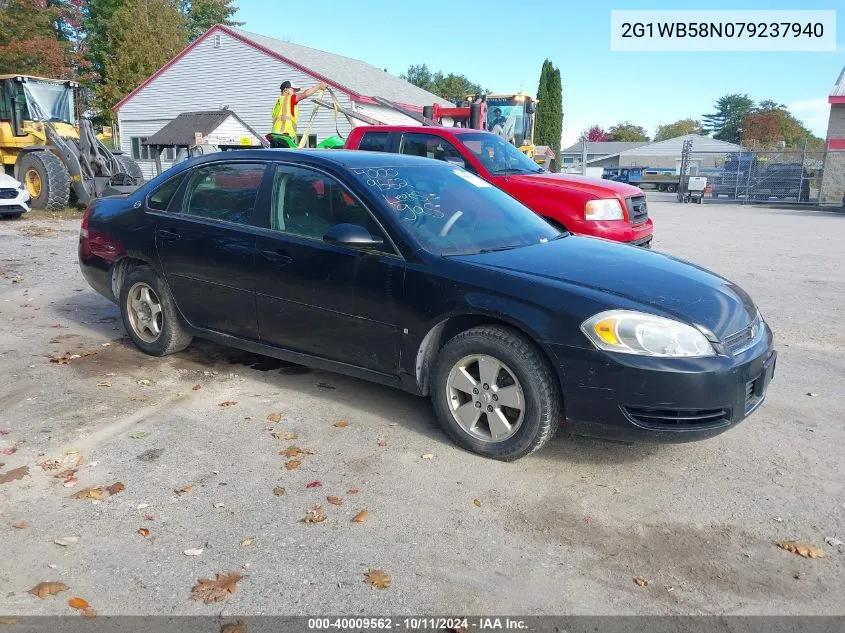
point(747, 176)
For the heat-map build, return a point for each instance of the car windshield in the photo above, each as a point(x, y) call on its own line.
point(498, 156)
point(450, 211)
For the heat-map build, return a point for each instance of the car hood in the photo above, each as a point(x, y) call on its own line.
point(597, 187)
point(7, 182)
point(662, 284)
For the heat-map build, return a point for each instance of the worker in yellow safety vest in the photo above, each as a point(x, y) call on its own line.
point(284, 112)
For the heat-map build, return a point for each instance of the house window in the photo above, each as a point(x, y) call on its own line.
point(144, 152)
point(217, 40)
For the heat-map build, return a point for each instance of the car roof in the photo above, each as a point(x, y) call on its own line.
point(423, 129)
point(341, 157)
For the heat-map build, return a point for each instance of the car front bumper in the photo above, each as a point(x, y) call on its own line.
point(634, 398)
point(15, 206)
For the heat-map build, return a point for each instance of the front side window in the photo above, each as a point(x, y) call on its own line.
point(449, 211)
point(160, 199)
point(431, 146)
point(498, 156)
point(225, 192)
point(308, 203)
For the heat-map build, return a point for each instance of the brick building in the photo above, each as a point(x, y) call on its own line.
point(833, 181)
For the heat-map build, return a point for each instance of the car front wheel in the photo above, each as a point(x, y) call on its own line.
point(150, 315)
point(495, 394)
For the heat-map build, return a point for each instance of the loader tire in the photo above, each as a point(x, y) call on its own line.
point(46, 179)
point(129, 167)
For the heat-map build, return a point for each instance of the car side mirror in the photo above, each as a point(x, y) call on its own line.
point(353, 236)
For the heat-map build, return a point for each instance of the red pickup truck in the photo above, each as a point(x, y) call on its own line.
point(599, 208)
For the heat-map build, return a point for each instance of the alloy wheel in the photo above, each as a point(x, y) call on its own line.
point(485, 398)
point(146, 315)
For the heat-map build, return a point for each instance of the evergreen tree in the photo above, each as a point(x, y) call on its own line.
point(549, 118)
point(203, 14)
point(131, 31)
point(726, 122)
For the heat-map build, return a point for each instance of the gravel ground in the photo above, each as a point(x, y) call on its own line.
point(562, 532)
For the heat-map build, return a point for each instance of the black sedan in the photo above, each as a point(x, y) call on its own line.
point(417, 274)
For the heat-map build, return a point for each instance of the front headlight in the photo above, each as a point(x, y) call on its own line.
point(609, 209)
point(629, 332)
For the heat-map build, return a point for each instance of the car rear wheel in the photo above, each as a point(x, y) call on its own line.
point(495, 394)
point(150, 315)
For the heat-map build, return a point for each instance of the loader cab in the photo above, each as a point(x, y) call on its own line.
point(511, 116)
point(26, 99)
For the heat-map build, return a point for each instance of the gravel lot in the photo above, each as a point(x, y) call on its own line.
point(562, 532)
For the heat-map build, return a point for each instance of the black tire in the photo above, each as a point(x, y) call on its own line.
point(671, 188)
point(173, 336)
point(130, 167)
point(54, 178)
point(542, 399)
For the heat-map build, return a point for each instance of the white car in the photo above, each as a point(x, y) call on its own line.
point(14, 198)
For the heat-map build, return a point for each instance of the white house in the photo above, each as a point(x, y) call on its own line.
point(240, 71)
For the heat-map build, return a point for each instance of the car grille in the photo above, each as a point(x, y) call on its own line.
point(677, 418)
point(637, 209)
point(745, 338)
point(8, 194)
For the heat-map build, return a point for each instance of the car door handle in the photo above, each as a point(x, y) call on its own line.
point(168, 235)
point(278, 256)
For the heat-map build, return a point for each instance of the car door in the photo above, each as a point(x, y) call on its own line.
point(320, 299)
point(206, 244)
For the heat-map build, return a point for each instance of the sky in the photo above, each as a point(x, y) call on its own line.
point(501, 45)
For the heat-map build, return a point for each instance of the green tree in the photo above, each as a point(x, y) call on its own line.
point(678, 128)
point(627, 132)
point(726, 122)
point(203, 14)
point(452, 87)
point(97, 17)
point(548, 124)
point(131, 30)
point(31, 39)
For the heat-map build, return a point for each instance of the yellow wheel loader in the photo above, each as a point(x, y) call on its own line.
point(53, 151)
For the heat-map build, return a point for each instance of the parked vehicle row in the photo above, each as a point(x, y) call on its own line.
point(422, 275)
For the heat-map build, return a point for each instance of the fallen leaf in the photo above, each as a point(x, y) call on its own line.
point(234, 627)
point(382, 443)
point(9, 451)
point(104, 384)
point(21, 525)
point(66, 540)
point(362, 516)
point(193, 552)
point(196, 387)
point(5, 431)
point(71, 481)
point(14, 475)
point(313, 484)
point(89, 613)
point(275, 417)
point(642, 582)
point(44, 589)
point(209, 590)
point(65, 359)
point(248, 541)
point(140, 435)
point(70, 472)
point(335, 501)
point(78, 603)
point(830, 540)
point(477, 502)
point(228, 403)
point(291, 451)
point(293, 464)
point(352, 491)
point(278, 491)
point(806, 550)
point(50, 464)
point(8, 621)
point(144, 532)
point(315, 515)
point(342, 424)
point(89, 493)
point(377, 579)
point(428, 456)
point(285, 435)
point(183, 490)
point(115, 488)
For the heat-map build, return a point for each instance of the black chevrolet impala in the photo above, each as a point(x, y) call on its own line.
point(417, 274)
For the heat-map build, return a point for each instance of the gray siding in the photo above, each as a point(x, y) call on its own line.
point(206, 78)
point(836, 123)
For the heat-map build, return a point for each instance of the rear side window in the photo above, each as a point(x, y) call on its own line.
point(431, 146)
point(225, 192)
point(160, 199)
point(374, 142)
